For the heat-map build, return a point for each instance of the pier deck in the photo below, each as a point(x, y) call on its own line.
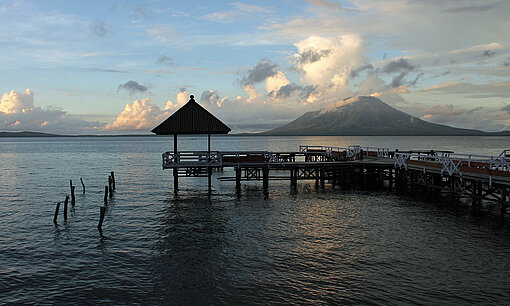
point(477, 177)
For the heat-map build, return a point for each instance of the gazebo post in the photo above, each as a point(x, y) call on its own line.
point(176, 170)
point(209, 170)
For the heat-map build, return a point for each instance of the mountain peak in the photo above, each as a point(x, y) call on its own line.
point(350, 100)
point(364, 115)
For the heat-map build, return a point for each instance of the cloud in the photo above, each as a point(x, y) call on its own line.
point(240, 12)
point(16, 102)
point(470, 8)
point(326, 61)
point(98, 28)
point(275, 82)
point(262, 70)
point(490, 90)
point(311, 56)
point(165, 60)
point(475, 118)
point(139, 115)
point(506, 108)
point(132, 87)
point(331, 5)
point(19, 113)
point(400, 65)
point(211, 97)
point(356, 71)
point(488, 53)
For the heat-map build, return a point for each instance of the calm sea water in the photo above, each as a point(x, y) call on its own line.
point(331, 246)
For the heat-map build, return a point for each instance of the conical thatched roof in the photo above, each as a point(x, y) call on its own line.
point(191, 119)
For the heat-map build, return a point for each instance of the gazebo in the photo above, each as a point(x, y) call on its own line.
point(191, 118)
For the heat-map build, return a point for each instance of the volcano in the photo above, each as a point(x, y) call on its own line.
point(367, 116)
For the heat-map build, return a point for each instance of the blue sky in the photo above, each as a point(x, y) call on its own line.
point(123, 66)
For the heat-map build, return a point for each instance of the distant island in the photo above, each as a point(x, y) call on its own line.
point(368, 116)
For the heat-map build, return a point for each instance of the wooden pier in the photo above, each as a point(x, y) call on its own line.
point(478, 178)
point(475, 177)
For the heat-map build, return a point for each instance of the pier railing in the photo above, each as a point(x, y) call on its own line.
point(454, 163)
point(379, 152)
point(351, 152)
point(192, 159)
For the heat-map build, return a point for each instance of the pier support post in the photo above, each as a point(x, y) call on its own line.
point(322, 177)
point(265, 178)
point(176, 170)
point(238, 178)
point(504, 203)
point(209, 179)
point(293, 179)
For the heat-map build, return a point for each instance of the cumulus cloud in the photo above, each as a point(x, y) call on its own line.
point(15, 102)
point(275, 82)
point(326, 61)
point(262, 70)
point(133, 87)
point(211, 97)
point(139, 115)
point(19, 113)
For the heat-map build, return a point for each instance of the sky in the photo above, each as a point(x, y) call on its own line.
point(122, 67)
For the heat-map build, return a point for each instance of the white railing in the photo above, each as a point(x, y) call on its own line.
point(451, 163)
point(192, 159)
point(381, 152)
point(351, 151)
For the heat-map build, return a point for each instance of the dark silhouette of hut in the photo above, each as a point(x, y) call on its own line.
point(191, 118)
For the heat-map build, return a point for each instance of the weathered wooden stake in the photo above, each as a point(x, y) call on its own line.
point(83, 185)
point(105, 195)
point(265, 178)
point(113, 180)
point(66, 201)
point(56, 213)
point(238, 177)
point(110, 186)
point(102, 211)
point(73, 198)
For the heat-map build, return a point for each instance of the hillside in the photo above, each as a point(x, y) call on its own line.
point(366, 116)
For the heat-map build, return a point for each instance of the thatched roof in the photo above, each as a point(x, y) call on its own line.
point(191, 119)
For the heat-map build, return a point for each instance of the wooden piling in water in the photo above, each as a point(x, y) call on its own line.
point(113, 180)
point(71, 188)
point(265, 178)
point(82, 184)
point(73, 198)
point(238, 177)
point(66, 201)
point(102, 211)
point(105, 195)
point(57, 208)
point(110, 186)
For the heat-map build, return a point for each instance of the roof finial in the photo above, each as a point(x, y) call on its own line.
point(191, 98)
